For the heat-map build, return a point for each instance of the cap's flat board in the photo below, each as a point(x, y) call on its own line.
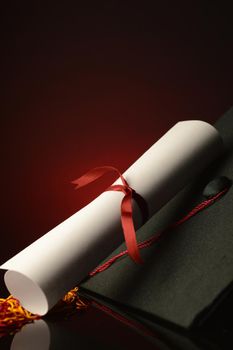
point(189, 268)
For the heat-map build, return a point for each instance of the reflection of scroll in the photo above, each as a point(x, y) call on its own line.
point(34, 336)
point(47, 335)
point(43, 272)
point(43, 335)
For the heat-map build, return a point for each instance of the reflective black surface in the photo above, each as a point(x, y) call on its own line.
point(93, 328)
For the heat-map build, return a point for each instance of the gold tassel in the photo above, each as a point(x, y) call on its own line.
point(13, 316)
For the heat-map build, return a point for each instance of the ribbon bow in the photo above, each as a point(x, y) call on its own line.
point(126, 205)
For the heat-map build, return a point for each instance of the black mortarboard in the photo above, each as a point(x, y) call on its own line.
point(189, 272)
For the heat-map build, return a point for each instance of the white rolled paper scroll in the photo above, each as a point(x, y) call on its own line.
point(44, 271)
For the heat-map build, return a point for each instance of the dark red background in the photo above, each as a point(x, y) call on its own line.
point(98, 83)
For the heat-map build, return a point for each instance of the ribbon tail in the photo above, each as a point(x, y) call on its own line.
point(128, 228)
point(93, 175)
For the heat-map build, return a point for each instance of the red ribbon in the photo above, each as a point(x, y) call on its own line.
point(126, 205)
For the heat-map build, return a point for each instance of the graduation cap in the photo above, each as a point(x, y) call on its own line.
point(187, 274)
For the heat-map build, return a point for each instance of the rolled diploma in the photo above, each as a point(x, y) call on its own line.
point(44, 271)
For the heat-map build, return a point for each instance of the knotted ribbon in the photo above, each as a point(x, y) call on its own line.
point(126, 205)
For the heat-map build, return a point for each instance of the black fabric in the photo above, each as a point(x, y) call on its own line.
point(186, 274)
point(216, 185)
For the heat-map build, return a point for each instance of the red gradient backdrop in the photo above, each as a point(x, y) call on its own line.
point(97, 84)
